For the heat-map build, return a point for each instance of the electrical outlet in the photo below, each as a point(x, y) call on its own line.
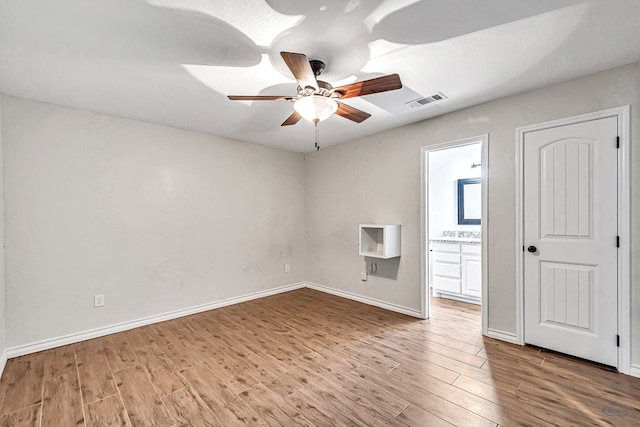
point(287, 268)
point(98, 300)
point(363, 276)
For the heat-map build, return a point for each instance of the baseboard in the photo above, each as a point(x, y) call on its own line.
point(124, 326)
point(634, 370)
point(503, 336)
point(365, 300)
point(3, 361)
point(461, 298)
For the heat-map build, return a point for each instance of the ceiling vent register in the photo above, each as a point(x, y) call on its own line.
point(417, 103)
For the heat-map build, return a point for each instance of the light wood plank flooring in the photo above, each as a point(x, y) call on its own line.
point(308, 358)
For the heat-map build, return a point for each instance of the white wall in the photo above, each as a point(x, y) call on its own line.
point(446, 167)
point(3, 343)
point(156, 219)
point(376, 179)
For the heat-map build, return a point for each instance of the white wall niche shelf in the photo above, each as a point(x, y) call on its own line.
point(380, 240)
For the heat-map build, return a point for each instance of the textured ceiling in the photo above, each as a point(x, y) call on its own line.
point(173, 62)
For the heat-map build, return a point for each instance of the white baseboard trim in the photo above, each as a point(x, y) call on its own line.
point(3, 361)
point(365, 300)
point(503, 336)
point(461, 298)
point(634, 370)
point(124, 326)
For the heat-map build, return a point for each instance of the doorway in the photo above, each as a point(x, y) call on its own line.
point(572, 221)
point(454, 194)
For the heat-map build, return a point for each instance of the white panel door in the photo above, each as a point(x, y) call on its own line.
point(570, 228)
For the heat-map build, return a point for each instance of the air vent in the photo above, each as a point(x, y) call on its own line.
point(426, 100)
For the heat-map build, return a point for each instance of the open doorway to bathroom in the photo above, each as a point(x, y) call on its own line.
point(454, 210)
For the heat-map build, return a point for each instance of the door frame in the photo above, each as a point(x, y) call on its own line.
point(624, 224)
point(424, 223)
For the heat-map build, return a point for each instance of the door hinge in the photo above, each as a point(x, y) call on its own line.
point(617, 241)
point(617, 142)
point(617, 340)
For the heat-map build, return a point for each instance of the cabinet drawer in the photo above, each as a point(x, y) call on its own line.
point(448, 270)
point(446, 285)
point(471, 249)
point(445, 247)
point(445, 257)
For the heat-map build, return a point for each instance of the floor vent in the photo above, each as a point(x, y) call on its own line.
point(426, 100)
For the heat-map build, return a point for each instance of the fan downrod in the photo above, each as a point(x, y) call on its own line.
point(317, 66)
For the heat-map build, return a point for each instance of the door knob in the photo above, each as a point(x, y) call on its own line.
point(532, 249)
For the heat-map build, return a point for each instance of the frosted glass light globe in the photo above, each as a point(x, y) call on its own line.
point(315, 108)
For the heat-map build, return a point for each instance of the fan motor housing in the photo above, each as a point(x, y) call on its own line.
point(317, 66)
point(324, 89)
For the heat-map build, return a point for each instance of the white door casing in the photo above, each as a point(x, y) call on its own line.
point(424, 227)
point(570, 217)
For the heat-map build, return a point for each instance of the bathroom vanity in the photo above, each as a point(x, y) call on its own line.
point(456, 267)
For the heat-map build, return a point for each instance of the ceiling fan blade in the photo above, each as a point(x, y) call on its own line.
point(348, 112)
point(300, 68)
point(292, 119)
point(368, 87)
point(260, 98)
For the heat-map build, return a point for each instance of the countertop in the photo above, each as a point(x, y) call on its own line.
point(447, 239)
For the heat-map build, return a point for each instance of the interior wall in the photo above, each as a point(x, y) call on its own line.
point(3, 342)
point(376, 179)
point(446, 167)
point(157, 219)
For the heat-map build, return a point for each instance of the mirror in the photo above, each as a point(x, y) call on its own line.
point(469, 200)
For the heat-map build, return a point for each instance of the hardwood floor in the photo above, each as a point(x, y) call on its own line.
point(308, 358)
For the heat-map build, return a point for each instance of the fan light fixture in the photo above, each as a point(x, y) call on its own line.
point(315, 108)
point(316, 99)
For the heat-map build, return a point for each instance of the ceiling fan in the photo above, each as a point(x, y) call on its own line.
point(317, 100)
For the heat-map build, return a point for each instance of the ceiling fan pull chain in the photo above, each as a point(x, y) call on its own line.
point(317, 135)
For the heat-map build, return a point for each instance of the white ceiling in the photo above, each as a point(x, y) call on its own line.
point(173, 62)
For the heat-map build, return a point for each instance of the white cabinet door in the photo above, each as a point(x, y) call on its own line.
point(471, 276)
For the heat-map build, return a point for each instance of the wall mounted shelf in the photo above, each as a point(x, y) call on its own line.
point(380, 240)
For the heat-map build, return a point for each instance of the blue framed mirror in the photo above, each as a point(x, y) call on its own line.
point(469, 201)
